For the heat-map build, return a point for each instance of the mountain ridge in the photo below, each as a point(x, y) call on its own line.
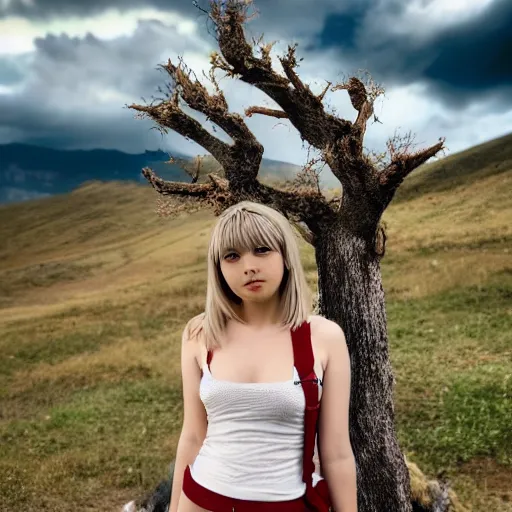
point(28, 171)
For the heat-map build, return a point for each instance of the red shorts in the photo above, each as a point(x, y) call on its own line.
point(214, 502)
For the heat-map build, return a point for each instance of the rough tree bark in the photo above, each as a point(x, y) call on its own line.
point(345, 232)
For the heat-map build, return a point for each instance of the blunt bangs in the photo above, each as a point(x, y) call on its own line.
point(244, 231)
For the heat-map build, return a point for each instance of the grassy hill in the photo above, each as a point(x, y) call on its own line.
point(460, 169)
point(95, 290)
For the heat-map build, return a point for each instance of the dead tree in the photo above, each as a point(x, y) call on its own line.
point(346, 233)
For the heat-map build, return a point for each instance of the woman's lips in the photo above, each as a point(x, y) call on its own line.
point(254, 283)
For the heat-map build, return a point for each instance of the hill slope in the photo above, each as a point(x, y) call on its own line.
point(463, 168)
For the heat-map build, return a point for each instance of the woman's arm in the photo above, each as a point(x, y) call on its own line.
point(337, 459)
point(185, 454)
point(195, 422)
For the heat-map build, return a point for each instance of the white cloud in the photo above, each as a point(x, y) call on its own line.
point(7, 89)
point(439, 13)
point(17, 34)
point(419, 18)
point(76, 89)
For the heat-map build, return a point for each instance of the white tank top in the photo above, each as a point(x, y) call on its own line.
point(254, 441)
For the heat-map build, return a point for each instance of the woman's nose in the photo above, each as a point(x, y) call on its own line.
point(250, 269)
point(250, 265)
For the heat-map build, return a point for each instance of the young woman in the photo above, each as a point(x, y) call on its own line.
point(241, 446)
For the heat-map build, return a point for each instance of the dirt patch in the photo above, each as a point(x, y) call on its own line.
point(489, 476)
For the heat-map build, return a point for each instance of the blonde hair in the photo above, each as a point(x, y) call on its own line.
point(244, 226)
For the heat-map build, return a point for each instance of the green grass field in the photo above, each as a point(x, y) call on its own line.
point(95, 290)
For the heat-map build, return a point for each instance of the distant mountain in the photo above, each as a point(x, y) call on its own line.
point(28, 172)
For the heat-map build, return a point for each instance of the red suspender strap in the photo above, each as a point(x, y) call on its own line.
point(304, 362)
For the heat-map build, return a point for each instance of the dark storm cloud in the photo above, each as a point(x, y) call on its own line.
point(77, 88)
point(475, 55)
point(41, 9)
point(45, 9)
point(284, 17)
point(35, 122)
point(460, 62)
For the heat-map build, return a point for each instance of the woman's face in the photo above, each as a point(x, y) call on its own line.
point(262, 264)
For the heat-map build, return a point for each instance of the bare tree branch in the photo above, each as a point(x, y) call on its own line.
point(378, 160)
point(339, 140)
point(362, 96)
point(265, 49)
point(214, 107)
point(305, 110)
point(308, 176)
point(359, 99)
point(324, 92)
point(167, 188)
point(216, 194)
point(192, 168)
point(306, 206)
point(279, 114)
point(403, 164)
point(197, 170)
point(168, 114)
point(240, 160)
point(289, 63)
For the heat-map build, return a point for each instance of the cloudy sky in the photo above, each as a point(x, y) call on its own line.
point(69, 67)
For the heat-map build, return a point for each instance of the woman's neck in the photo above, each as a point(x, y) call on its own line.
point(260, 315)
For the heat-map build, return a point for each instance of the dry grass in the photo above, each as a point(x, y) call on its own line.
point(455, 238)
point(95, 290)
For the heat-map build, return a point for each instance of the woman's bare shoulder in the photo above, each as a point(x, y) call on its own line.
point(325, 330)
point(327, 338)
point(320, 321)
point(193, 341)
point(193, 327)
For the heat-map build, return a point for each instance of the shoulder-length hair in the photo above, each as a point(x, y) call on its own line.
point(245, 226)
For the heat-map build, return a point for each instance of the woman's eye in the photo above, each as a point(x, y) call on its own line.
point(262, 249)
point(228, 256)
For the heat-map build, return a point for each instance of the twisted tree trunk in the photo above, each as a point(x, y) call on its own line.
point(351, 294)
